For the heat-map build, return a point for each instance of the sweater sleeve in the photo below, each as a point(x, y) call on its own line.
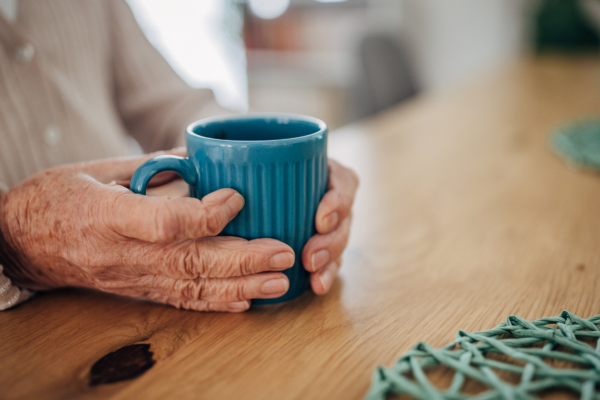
point(155, 104)
point(11, 295)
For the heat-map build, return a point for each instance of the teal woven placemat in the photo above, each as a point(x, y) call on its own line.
point(529, 348)
point(579, 143)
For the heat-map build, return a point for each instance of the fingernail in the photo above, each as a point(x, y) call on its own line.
point(238, 306)
point(275, 286)
point(331, 221)
point(326, 279)
point(319, 259)
point(235, 202)
point(282, 261)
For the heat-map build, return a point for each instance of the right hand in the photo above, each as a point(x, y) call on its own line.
point(75, 226)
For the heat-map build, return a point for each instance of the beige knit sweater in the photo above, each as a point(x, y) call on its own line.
point(76, 77)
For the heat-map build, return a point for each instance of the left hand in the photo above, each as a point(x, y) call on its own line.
point(322, 254)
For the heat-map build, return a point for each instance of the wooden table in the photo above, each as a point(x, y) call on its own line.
point(464, 217)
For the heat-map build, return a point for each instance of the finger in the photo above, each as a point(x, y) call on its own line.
point(176, 188)
point(201, 305)
point(160, 179)
point(177, 301)
point(337, 202)
point(121, 169)
point(322, 249)
point(322, 280)
point(226, 290)
point(164, 219)
point(215, 307)
point(217, 257)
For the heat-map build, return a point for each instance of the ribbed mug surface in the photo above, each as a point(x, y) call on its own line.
point(279, 164)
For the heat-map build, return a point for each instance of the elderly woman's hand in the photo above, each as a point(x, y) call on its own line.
point(321, 255)
point(75, 226)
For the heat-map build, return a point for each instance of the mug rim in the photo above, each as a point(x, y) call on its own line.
point(257, 116)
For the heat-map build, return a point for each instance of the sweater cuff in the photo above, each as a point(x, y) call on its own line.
point(11, 295)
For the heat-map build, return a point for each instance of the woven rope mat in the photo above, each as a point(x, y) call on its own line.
point(528, 351)
point(579, 143)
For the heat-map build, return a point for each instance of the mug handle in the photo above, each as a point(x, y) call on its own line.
point(181, 165)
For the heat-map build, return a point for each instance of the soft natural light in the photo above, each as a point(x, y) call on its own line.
point(269, 9)
point(193, 38)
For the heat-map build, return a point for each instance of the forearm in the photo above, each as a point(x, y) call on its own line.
point(155, 104)
point(163, 125)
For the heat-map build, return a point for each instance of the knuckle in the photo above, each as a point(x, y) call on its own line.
point(335, 241)
point(351, 174)
point(247, 262)
point(191, 263)
point(346, 201)
point(213, 221)
point(166, 225)
point(231, 292)
point(191, 289)
point(188, 305)
point(181, 304)
point(333, 198)
point(241, 293)
point(195, 305)
point(342, 236)
point(316, 242)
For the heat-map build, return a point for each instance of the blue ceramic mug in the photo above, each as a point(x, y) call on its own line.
point(278, 162)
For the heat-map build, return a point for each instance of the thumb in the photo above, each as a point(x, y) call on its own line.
point(163, 219)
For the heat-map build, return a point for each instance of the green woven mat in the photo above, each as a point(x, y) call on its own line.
point(579, 143)
point(554, 339)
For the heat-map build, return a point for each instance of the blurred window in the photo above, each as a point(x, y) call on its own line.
point(268, 9)
point(201, 40)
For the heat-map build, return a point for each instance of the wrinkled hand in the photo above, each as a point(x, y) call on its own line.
point(75, 226)
point(322, 254)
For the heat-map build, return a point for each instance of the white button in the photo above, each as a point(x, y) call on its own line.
point(24, 53)
point(52, 135)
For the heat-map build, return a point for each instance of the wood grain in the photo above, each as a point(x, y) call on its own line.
point(464, 217)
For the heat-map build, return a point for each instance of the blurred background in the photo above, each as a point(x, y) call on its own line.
point(342, 60)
